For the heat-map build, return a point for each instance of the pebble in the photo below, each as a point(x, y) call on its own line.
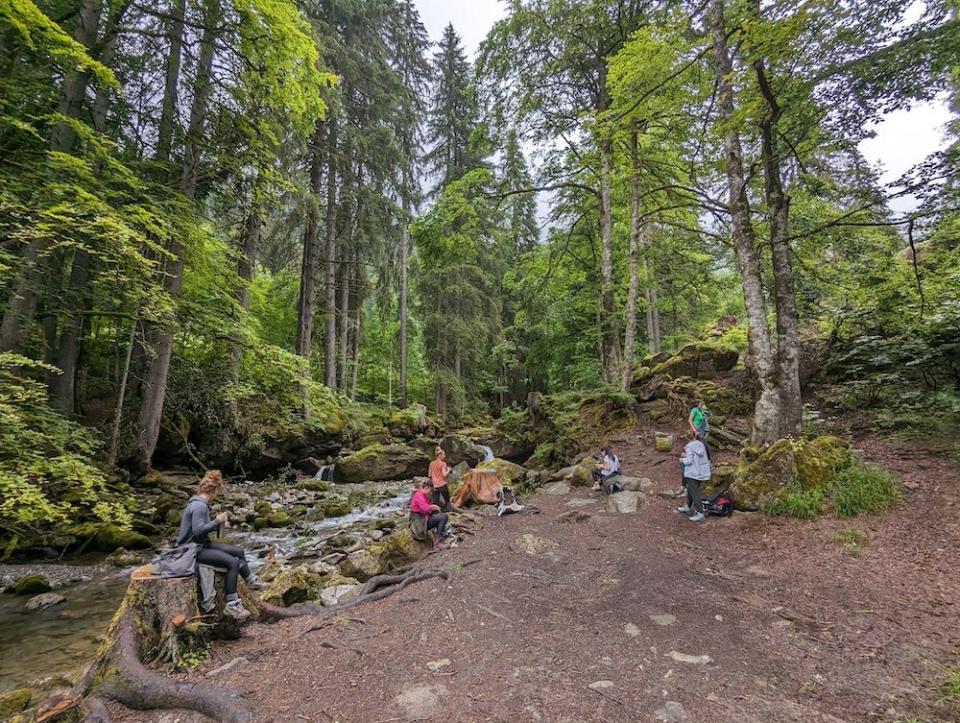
point(672, 712)
point(601, 684)
point(664, 620)
point(691, 659)
point(631, 630)
point(436, 665)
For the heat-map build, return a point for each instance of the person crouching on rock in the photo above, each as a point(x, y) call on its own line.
point(607, 468)
point(439, 471)
point(196, 526)
point(696, 471)
point(434, 518)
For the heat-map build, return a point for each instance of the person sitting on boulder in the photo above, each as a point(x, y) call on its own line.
point(606, 469)
point(696, 471)
point(699, 422)
point(431, 514)
point(439, 471)
point(196, 526)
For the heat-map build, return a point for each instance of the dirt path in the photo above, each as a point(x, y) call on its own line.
point(597, 627)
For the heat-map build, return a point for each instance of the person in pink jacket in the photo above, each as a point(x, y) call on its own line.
point(420, 504)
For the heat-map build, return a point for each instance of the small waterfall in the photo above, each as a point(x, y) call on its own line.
point(487, 453)
point(325, 474)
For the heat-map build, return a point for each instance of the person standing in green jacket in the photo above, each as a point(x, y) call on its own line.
point(699, 423)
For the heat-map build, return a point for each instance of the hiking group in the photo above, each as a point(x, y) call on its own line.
point(430, 503)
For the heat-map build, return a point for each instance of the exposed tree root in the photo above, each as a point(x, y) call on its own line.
point(158, 621)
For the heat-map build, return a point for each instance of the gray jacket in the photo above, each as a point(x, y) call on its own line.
point(696, 464)
point(195, 522)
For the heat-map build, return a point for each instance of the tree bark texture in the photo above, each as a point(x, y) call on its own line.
point(630, 332)
point(330, 252)
point(249, 241)
point(168, 108)
point(766, 422)
point(610, 336)
point(311, 234)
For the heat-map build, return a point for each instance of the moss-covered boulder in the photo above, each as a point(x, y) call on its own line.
point(699, 360)
point(380, 462)
point(461, 449)
point(393, 551)
point(14, 702)
point(109, 538)
point(765, 476)
point(313, 485)
point(294, 586)
point(721, 399)
point(30, 585)
point(507, 472)
point(335, 506)
point(409, 422)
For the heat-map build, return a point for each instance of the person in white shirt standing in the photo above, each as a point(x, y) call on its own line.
point(696, 471)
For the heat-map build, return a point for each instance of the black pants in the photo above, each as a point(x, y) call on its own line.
point(694, 500)
point(227, 556)
point(441, 497)
point(438, 521)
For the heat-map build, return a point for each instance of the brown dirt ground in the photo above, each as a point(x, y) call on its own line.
point(797, 627)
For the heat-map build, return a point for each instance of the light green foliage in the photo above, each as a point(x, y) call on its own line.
point(861, 488)
point(802, 504)
point(851, 540)
point(47, 469)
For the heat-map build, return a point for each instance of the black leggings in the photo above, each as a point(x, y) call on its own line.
point(441, 497)
point(438, 521)
point(228, 556)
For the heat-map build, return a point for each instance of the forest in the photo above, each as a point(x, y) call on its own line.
point(226, 223)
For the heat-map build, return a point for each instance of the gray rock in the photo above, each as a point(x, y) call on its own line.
point(690, 659)
point(44, 601)
point(337, 594)
point(533, 545)
point(581, 502)
point(228, 666)
point(557, 489)
point(273, 497)
point(631, 630)
point(672, 712)
point(435, 666)
point(601, 685)
point(623, 502)
point(664, 620)
point(635, 484)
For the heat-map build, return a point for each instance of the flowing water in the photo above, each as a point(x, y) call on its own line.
point(487, 453)
point(58, 642)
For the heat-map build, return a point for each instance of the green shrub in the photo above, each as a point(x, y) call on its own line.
point(47, 470)
point(802, 504)
point(861, 488)
point(950, 687)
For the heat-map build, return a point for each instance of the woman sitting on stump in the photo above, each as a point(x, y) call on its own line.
point(420, 504)
point(196, 526)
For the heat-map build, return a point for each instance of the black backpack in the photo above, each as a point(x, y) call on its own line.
point(720, 504)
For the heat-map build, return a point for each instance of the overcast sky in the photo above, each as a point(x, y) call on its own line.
point(903, 139)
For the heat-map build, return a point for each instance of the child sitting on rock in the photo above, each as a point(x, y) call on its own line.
point(430, 516)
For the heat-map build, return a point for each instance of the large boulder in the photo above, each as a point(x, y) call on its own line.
point(409, 422)
point(624, 503)
point(44, 601)
point(766, 475)
point(380, 462)
point(698, 360)
point(30, 585)
point(108, 538)
point(461, 449)
point(508, 473)
point(294, 586)
point(393, 551)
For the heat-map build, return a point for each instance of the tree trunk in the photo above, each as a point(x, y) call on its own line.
point(151, 410)
point(778, 208)
point(630, 333)
point(344, 315)
point(766, 423)
point(357, 338)
point(404, 291)
point(121, 393)
point(330, 337)
point(168, 108)
point(250, 240)
point(308, 266)
point(64, 385)
point(610, 336)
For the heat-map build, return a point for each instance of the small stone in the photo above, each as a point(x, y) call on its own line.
point(436, 665)
point(601, 685)
point(557, 489)
point(664, 620)
point(631, 630)
point(664, 442)
point(376, 534)
point(672, 712)
point(691, 659)
point(227, 666)
point(44, 601)
point(574, 516)
point(623, 503)
point(533, 545)
point(718, 618)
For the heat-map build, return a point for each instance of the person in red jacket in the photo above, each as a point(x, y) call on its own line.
point(420, 504)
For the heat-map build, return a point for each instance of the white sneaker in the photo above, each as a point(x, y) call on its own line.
point(698, 517)
point(685, 509)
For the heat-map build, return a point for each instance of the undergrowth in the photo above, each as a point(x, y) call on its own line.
point(859, 488)
point(950, 687)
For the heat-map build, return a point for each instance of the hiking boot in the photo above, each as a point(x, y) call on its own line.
point(682, 492)
point(439, 544)
point(236, 610)
point(698, 517)
point(255, 583)
point(684, 510)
